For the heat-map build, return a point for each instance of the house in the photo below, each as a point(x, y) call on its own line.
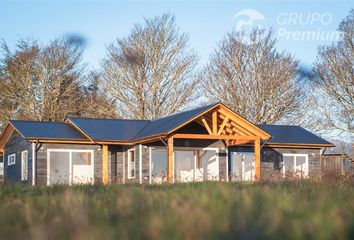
point(206, 143)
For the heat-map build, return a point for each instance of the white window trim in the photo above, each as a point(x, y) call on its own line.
point(294, 155)
point(24, 177)
point(129, 167)
point(9, 162)
point(70, 162)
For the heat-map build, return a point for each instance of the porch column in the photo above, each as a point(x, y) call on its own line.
point(257, 159)
point(170, 162)
point(104, 164)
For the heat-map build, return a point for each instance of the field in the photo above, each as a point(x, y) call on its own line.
point(283, 210)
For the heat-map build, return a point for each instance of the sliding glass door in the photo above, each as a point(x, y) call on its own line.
point(242, 166)
point(66, 166)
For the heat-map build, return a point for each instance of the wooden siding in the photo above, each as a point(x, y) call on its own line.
point(332, 165)
point(42, 159)
point(15, 145)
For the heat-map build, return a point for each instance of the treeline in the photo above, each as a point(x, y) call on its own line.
point(154, 72)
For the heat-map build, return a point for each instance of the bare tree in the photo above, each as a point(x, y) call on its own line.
point(335, 80)
point(253, 79)
point(40, 83)
point(95, 102)
point(151, 73)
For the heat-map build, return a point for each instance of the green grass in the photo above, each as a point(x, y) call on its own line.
point(283, 210)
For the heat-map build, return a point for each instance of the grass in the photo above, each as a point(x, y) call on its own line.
point(282, 210)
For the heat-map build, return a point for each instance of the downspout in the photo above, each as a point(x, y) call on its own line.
point(140, 164)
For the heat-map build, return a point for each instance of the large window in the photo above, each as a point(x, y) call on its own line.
point(158, 165)
point(11, 159)
point(131, 163)
point(70, 166)
point(295, 165)
point(24, 165)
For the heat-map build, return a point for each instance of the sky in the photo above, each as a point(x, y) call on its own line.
point(300, 26)
point(99, 23)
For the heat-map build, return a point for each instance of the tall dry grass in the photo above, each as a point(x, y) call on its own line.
point(280, 210)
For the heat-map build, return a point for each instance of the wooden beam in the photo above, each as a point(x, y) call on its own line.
point(239, 142)
point(257, 159)
point(170, 160)
point(105, 164)
point(206, 125)
point(244, 123)
point(222, 126)
point(215, 122)
point(221, 137)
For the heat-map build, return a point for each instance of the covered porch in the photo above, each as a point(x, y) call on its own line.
point(221, 124)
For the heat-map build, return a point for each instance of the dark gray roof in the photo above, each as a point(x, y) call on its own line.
point(46, 130)
point(109, 129)
point(129, 130)
point(125, 130)
point(165, 124)
point(292, 135)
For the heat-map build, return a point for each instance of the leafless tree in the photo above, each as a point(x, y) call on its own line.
point(41, 83)
point(151, 73)
point(95, 102)
point(253, 78)
point(335, 80)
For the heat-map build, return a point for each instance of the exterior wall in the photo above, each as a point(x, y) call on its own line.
point(42, 160)
point(15, 145)
point(272, 158)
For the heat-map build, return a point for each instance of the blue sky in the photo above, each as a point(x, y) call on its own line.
point(101, 22)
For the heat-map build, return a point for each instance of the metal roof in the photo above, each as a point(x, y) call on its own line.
point(109, 129)
point(292, 135)
point(166, 124)
point(46, 130)
point(131, 130)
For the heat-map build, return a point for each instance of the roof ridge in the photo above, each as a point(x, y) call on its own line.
point(281, 125)
point(35, 121)
point(192, 109)
point(114, 119)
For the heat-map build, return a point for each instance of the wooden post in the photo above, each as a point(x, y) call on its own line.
point(170, 160)
point(215, 122)
point(104, 164)
point(257, 159)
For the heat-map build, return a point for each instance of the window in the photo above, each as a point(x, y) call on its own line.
point(24, 165)
point(70, 166)
point(11, 159)
point(158, 165)
point(131, 163)
point(295, 165)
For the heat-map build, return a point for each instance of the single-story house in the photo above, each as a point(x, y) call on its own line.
point(206, 143)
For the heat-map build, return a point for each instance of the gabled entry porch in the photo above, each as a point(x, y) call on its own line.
point(221, 124)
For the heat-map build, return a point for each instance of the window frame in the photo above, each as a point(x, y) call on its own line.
point(129, 176)
point(70, 151)
point(295, 155)
point(24, 176)
point(9, 162)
